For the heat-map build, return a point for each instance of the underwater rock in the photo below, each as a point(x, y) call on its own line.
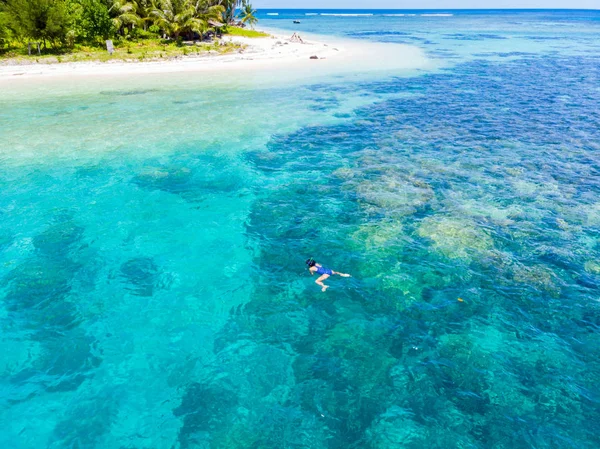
point(70, 359)
point(164, 176)
point(344, 173)
point(592, 266)
point(272, 427)
point(402, 286)
point(203, 409)
point(325, 104)
point(593, 215)
point(544, 385)
point(538, 277)
point(127, 93)
point(455, 238)
point(175, 180)
point(489, 212)
point(84, 423)
point(142, 273)
point(563, 225)
point(89, 172)
point(559, 257)
point(253, 369)
point(64, 361)
point(525, 188)
point(58, 239)
point(35, 285)
point(400, 377)
point(260, 322)
point(208, 173)
point(39, 297)
point(286, 327)
point(396, 428)
point(351, 343)
point(463, 369)
point(379, 235)
point(238, 393)
point(394, 195)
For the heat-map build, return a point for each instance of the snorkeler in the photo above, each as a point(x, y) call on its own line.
point(314, 267)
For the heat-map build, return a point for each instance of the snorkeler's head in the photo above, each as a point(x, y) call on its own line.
point(311, 262)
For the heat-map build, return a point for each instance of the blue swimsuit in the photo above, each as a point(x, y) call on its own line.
point(323, 270)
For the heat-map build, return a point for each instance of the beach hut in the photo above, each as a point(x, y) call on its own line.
point(218, 26)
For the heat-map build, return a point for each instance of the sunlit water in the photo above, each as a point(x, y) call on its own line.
point(154, 232)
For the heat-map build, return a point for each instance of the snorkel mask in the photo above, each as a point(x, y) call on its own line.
point(311, 262)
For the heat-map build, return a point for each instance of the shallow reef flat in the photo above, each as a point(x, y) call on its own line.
point(470, 297)
point(153, 290)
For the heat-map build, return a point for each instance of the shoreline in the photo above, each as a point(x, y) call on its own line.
point(268, 53)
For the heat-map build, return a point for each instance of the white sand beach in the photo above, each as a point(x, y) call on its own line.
point(274, 53)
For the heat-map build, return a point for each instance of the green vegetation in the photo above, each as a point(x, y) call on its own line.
point(244, 32)
point(248, 14)
point(142, 50)
point(73, 30)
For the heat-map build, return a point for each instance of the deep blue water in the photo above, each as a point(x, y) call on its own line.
point(152, 249)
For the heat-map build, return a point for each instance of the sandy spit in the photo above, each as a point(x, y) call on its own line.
point(277, 52)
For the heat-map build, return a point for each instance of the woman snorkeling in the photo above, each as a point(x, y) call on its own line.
point(314, 267)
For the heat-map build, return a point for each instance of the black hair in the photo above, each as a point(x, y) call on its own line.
point(311, 262)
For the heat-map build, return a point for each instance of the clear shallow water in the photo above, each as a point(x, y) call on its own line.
point(455, 35)
point(152, 245)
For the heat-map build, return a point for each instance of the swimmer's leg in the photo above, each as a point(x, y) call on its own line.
point(344, 275)
point(320, 282)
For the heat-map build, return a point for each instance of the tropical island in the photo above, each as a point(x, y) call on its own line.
point(68, 38)
point(56, 31)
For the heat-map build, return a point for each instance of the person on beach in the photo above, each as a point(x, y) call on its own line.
point(314, 267)
point(296, 38)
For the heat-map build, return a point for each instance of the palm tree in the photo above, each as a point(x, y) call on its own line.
point(124, 13)
point(174, 16)
point(230, 7)
point(248, 14)
point(144, 7)
point(178, 17)
point(3, 28)
point(209, 13)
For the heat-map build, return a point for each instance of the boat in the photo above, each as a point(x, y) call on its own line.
point(296, 21)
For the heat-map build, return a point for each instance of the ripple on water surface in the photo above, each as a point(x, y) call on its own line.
point(159, 300)
point(465, 215)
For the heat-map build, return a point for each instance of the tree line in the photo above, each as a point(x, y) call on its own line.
point(62, 23)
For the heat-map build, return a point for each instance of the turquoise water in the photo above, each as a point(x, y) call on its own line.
point(154, 232)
